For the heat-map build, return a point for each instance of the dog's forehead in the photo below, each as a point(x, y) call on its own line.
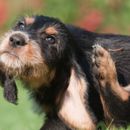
point(38, 20)
point(29, 20)
point(42, 23)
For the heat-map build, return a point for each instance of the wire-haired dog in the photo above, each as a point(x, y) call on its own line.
point(115, 98)
point(54, 61)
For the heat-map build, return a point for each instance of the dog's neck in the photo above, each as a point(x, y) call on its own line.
point(36, 82)
point(48, 95)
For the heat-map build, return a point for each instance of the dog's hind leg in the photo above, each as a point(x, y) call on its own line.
point(115, 99)
point(54, 124)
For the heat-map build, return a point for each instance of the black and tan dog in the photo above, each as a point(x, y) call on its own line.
point(54, 61)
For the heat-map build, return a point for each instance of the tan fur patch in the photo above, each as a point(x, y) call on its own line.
point(127, 88)
point(111, 77)
point(107, 70)
point(73, 111)
point(29, 20)
point(51, 30)
point(120, 91)
point(44, 79)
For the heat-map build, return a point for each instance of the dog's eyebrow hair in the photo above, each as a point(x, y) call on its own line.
point(51, 30)
point(29, 20)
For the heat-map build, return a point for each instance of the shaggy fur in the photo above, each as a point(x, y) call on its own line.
point(114, 97)
point(54, 60)
point(10, 89)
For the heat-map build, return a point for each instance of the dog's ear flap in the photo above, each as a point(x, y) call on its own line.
point(73, 109)
point(10, 89)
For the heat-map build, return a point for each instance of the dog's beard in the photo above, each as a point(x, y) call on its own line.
point(26, 62)
point(17, 63)
point(34, 74)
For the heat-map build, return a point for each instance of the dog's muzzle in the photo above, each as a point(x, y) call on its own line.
point(17, 40)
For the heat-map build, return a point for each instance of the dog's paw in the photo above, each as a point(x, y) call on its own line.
point(103, 66)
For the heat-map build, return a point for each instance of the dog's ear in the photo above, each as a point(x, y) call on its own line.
point(10, 90)
point(73, 110)
point(9, 86)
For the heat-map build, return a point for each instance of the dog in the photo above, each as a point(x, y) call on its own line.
point(114, 97)
point(39, 51)
point(54, 60)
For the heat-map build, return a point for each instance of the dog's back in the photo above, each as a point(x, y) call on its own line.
point(120, 44)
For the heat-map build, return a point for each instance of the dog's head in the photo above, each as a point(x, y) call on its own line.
point(32, 49)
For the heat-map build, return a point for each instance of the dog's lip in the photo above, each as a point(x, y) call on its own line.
point(8, 52)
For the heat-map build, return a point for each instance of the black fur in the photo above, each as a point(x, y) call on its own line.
point(118, 108)
point(74, 49)
point(54, 124)
point(10, 90)
point(81, 43)
point(9, 86)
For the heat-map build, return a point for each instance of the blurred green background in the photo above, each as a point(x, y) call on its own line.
point(107, 16)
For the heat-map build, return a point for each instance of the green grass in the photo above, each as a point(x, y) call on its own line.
point(102, 126)
point(21, 116)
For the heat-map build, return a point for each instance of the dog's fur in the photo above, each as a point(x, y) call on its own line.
point(114, 97)
point(54, 61)
point(10, 89)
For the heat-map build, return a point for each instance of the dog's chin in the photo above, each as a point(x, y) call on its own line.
point(11, 64)
point(34, 75)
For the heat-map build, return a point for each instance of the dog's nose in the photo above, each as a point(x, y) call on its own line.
point(17, 40)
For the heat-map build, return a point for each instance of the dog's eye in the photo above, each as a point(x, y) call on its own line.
point(50, 39)
point(21, 25)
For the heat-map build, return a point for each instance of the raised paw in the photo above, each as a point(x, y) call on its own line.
point(103, 66)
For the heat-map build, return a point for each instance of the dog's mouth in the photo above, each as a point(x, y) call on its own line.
point(10, 62)
point(26, 64)
point(9, 53)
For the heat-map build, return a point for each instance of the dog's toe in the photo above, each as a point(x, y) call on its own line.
point(98, 50)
